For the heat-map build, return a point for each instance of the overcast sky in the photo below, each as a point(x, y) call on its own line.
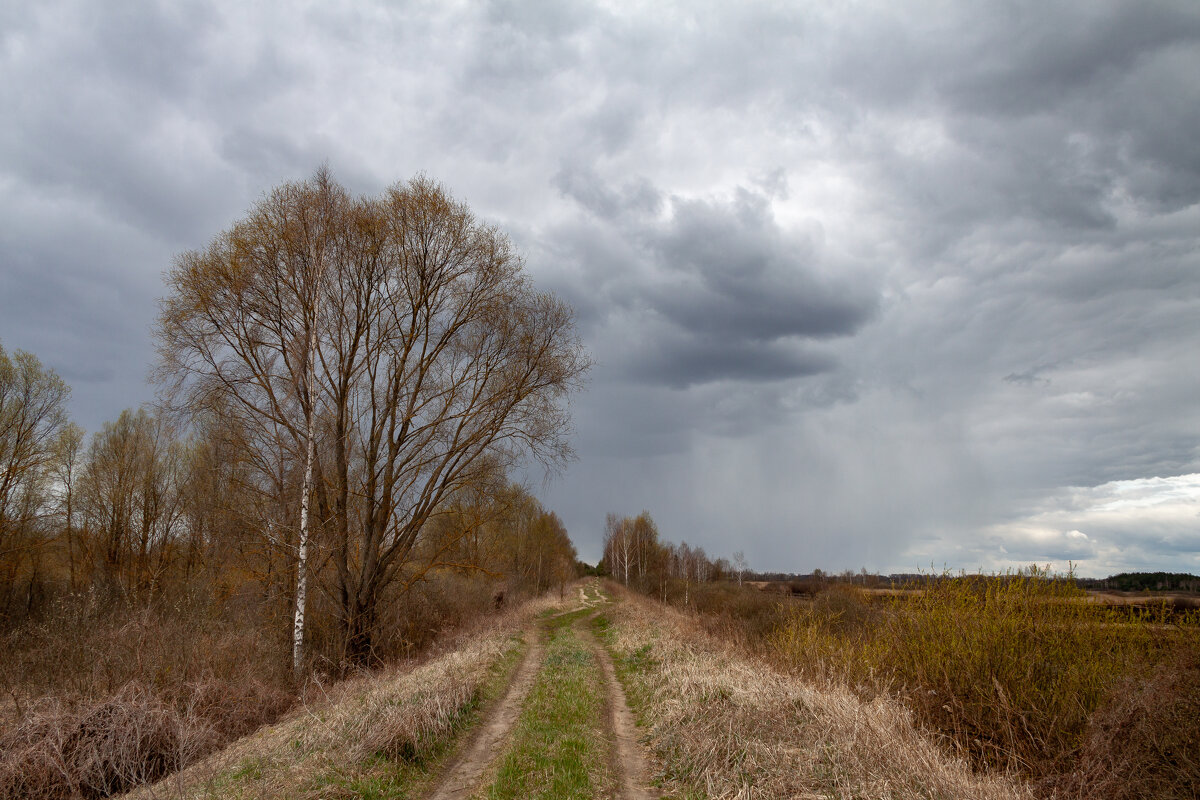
point(894, 285)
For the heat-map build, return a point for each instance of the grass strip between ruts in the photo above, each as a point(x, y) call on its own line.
point(558, 745)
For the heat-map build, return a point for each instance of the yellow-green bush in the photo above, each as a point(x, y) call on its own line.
point(1010, 666)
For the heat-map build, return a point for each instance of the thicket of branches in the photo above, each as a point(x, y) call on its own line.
point(384, 360)
point(350, 379)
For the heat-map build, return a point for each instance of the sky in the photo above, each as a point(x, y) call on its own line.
point(892, 285)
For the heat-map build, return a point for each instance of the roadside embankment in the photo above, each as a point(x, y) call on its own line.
point(382, 734)
point(723, 724)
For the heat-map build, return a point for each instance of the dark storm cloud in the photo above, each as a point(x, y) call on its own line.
point(736, 274)
point(716, 291)
point(698, 360)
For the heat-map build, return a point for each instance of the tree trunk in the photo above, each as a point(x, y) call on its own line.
point(306, 493)
point(360, 629)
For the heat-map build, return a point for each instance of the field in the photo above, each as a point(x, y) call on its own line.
point(604, 694)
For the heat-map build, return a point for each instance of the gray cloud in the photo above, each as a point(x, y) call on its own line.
point(716, 289)
point(690, 361)
point(740, 275)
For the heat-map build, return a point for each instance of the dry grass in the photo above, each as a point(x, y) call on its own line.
point(133, 737)
point(97, 695)
point(101, 698)
point(370, 733)
point(84, 649)
point(726, 725)
point(1144, 744)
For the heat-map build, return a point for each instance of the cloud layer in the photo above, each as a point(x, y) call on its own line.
point(867, 284)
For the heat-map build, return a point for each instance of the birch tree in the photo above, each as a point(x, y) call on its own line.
point(740, 565)
point(242, 328)
point(406, 358)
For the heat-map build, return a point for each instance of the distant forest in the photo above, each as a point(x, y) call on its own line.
point(1145, 582)
point(1124, 582)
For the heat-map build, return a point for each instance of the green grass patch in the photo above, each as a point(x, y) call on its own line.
point(631, 668)
point(558, 744)
point(568, 619)
point(248, 770)
point(410, 775)
point(379, 779)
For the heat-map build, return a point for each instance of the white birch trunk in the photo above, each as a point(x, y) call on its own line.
point(306, 493)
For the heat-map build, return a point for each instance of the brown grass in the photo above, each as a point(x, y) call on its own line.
point(724, 724)
point(97, 696)
point(83, 650)
point(1145, 743)
point(130, 738)
point(104, 697)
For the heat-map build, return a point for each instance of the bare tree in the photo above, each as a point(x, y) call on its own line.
point(740, 565)
point(433, 362)
point(131, 493)
point(32, 420)
point(619, 545)
point(66, 472)
point(687, 559)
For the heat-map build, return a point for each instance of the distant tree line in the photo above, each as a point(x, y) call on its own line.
point(1145, 582)
point(1125, 581)
point(145, 508)
point(635, 555)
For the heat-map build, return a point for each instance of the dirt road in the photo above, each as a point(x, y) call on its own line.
point(470, 773)
point(628, 759)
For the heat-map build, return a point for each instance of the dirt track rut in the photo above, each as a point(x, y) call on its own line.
point(466, 773)
point(627, 758)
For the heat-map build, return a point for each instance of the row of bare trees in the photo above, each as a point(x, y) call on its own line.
point(116, 515)
point(356, 378)
point(507, 533)
point(34, 435)
point(635, 555)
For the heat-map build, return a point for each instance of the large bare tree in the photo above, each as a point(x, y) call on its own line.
point(395, 341)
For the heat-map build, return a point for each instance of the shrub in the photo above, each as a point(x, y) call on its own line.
point(739, 612)
point(105, 696)
point(135, 736)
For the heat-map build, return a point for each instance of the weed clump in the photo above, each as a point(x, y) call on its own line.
point(721, 723)
point(1146, 742)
